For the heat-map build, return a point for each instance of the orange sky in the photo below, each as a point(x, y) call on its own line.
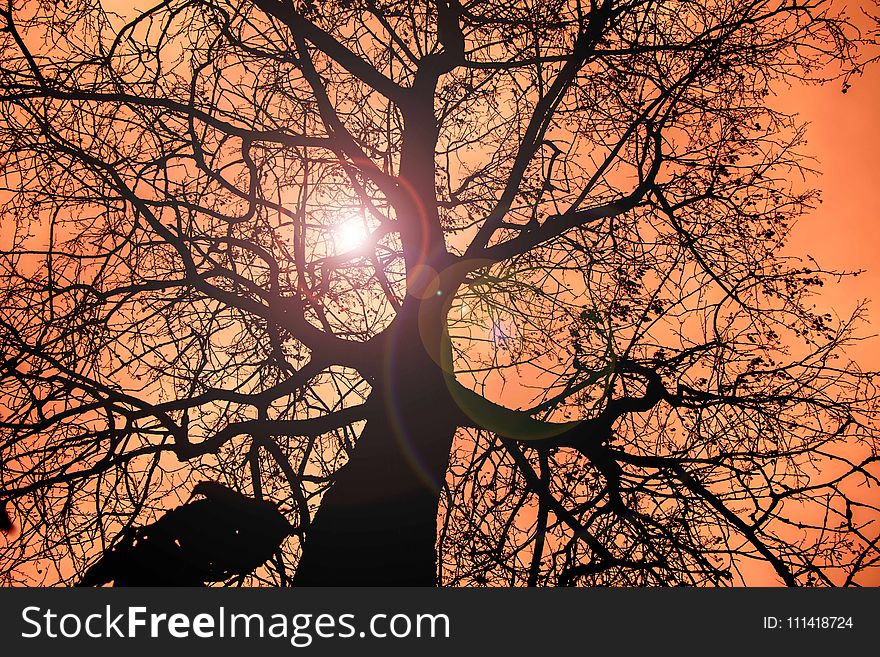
point(843, 232)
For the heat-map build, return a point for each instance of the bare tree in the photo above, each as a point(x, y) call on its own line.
point(479, 292)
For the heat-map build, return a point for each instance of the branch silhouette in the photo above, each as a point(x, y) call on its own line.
point(448, 293)
point(206, 540)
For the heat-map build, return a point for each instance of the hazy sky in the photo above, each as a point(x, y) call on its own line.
point(844, 232)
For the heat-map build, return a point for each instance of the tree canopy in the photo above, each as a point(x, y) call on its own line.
point(477, 292)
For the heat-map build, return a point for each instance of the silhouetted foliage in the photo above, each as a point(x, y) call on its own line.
point(477, 292)
point(208, 540)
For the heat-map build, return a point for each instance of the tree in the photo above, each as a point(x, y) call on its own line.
point(480, 292)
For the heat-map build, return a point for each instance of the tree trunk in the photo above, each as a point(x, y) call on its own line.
point(377, 524)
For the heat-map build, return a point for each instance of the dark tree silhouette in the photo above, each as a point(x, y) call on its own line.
point(478, 292)
point(5, 520)
point(208, 540)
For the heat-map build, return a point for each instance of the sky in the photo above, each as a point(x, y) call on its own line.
point(844, 231)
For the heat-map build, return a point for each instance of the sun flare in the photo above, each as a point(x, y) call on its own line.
point(350, 235)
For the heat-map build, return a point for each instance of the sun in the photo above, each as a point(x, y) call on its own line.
point(350, 235)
